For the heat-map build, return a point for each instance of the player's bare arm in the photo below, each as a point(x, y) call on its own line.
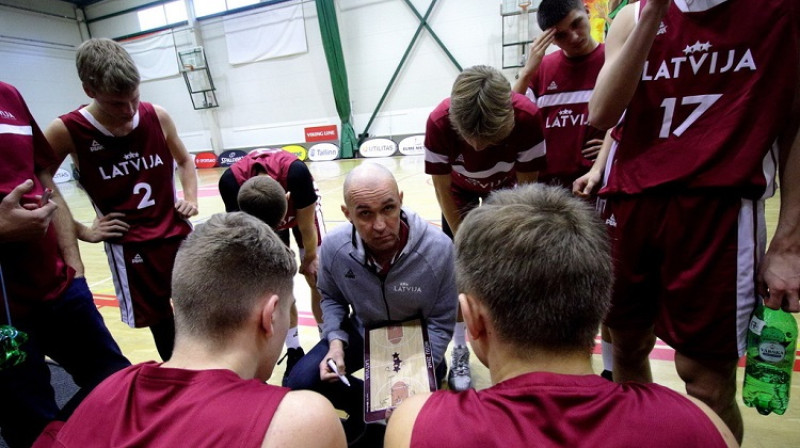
point(23, 222)
point(187, 172)
point(336, 353)
point(528, 177)
point(441, 184)
point(308, 231)
point(64, 225)
point(535, 55)
point(401, 423)
point(60, 140)
point(779, 273)
point(587, 185)
point(627, 46)
point(305, 419)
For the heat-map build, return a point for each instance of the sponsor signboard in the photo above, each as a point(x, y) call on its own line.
point(228, 158)
point(297, 150)
point(323, 152)
point(321, 133)
point(205, 160)
point(377, 147)
point(413, 146)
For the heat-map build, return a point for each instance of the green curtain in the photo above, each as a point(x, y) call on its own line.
point(329, 29)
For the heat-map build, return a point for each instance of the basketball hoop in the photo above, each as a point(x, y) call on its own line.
point(188, 67)
point(523, 5)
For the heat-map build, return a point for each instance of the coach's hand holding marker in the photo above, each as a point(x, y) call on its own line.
point(334, 369)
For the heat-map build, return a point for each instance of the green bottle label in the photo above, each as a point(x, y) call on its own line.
point(771, 352)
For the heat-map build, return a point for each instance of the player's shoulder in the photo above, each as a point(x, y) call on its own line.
point(8, 89)
point(723, 429)
point(441, 113)
point(523, 106)
point(678, 409)
point(305, 419)
point(552, 58)
point(401, 423)
point(151, 108)
point(298, 170)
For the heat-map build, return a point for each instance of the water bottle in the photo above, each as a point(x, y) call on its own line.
point(771, 342)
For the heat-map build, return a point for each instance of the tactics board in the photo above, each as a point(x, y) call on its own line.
point(397, 365)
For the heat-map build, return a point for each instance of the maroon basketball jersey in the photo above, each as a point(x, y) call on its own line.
point(546, 409)
point(132, 174)
point(33, 270)
point(715, 92)
point(275, 162)
point(146, 405)
point(494, 167)
point(562, 87)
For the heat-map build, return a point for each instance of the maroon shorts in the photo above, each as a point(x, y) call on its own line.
point(686, 265)
point(142, 274)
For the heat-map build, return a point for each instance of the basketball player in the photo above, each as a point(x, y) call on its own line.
point(386, 265)
point(264, 198)
point(708, 114)
point(532, 321)
point(303, 217)
point(43, 289)
point(561, 84)
point(483, 138)
point(126, 150)
point(232, 289)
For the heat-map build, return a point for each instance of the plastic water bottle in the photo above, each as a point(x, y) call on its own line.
point(771, 343)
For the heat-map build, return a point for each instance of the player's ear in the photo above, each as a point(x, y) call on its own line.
point(346, 212)
point(88, 91)
point(269, 312)
point(472, 311)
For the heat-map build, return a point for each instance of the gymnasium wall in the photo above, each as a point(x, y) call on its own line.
point(271, 102)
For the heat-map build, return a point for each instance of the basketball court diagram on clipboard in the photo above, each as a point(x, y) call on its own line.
point(397, 365)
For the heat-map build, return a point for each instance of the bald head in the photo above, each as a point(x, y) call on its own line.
point(373, 204)
point(368, 176)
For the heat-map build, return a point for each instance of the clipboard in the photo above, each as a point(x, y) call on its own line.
point(397, 364)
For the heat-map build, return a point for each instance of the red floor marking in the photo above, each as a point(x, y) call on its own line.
point(204, 192)
point(102, 300)
point(661, 352)
point(306, 321)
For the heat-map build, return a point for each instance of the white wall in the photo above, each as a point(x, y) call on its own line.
point(270, 102)
point(38, 57)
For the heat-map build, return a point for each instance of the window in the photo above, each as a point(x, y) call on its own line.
point(204, 8)
point(162, 15)
point(176, 11)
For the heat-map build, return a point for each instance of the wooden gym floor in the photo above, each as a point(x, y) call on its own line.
point(770, 431)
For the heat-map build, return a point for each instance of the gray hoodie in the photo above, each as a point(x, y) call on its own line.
point(421, 283)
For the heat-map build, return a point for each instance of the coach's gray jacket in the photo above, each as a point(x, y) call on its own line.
point(421, 283)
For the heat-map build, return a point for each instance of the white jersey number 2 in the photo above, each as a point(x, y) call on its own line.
point(146, 201)
point(703, 102)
